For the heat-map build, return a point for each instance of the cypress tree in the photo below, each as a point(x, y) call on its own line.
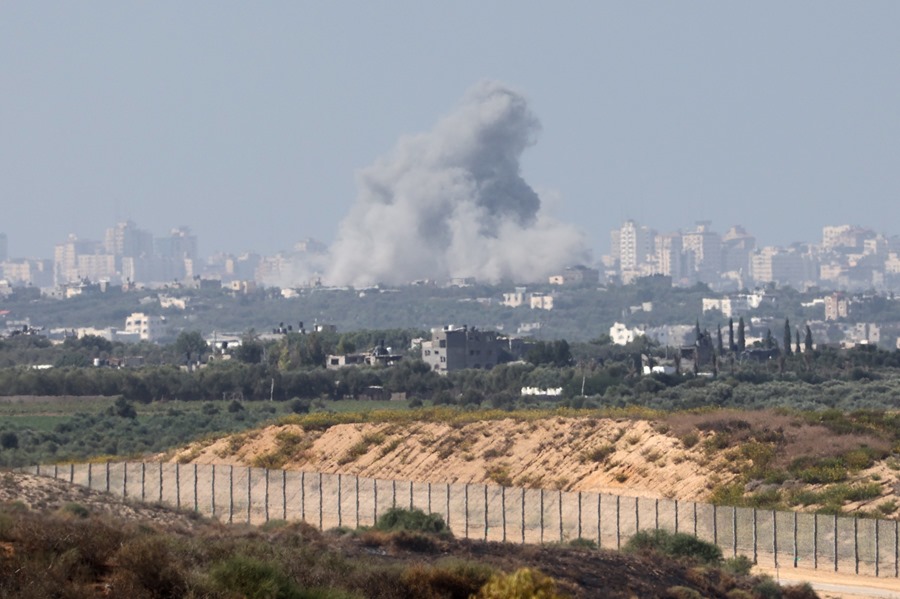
point(742, 340)
point(797, 340)
point(807, 343)
point(787, 337)
point(731, 345)
point(721, 343)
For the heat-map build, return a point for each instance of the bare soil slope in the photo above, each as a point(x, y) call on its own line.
point(684, 456)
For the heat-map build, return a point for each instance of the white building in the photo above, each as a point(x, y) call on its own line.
point(146, 326)
point(622, 335)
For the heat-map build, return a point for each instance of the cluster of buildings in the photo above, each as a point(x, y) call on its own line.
point(129, 254)
point(848, 257)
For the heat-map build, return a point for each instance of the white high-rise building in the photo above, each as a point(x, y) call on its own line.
point(632, 245)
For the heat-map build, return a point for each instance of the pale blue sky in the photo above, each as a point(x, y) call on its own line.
point(248, 121)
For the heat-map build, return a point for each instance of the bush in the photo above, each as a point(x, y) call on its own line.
point(411, 520)
point(740, 565)
point(674, 545)
point(254, 579)
point(522, 584)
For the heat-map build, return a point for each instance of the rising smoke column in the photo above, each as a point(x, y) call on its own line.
point(451, 203)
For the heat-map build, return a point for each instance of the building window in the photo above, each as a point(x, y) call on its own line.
point(443, 359)
point(442, 343)
point(427, 352)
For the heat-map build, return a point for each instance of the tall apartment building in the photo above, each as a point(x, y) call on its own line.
point(737, 246)
point(632, 245)
point(845, 236)
point(126, 239)
point(705, 248)
point(65, 258)
point(669, 256)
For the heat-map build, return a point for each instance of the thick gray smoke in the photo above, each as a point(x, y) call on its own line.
point(451, 203)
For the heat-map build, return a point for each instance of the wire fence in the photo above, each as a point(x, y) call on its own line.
point(493, 513)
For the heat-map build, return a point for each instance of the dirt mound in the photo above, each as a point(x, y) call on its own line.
point(48, 495)
point(573, 454)
point(765, 459)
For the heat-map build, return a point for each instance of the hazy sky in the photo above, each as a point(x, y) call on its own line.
point(249, 121)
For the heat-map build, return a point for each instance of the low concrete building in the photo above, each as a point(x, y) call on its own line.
point(457, 348)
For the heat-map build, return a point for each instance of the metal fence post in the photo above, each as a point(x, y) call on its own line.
point(856, 543)
point(107, 476)
point(410, 495)
point(124, 479)
point(579, 514)
point(523, 515)
point(55, 470)
point(143, 477)
point(715, 524)
point(177, 485)
point(196, 499)
point(321, 500)
point(303, 496)
point(266, 494)
point(775, 538)
point(695, 518)
point(637, 516)
point(375, 506)
point(816, 541)
point(429, 498)
point(618, 530)
point(599, 520)
point(284, 495)
point(559, 506)
point(656, 515)
point(249, 492)
point(796, 554)
point(72, 473)
point(212, 490)
point(393, 493)
point(835, 543)
point(340, 492)
point(356, 491)
point(160, 482)
point(91, 474)
point(231, 494)
point(467, 509)
point(733, 532)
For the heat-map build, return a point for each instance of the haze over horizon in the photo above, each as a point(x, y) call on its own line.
point(254, 124)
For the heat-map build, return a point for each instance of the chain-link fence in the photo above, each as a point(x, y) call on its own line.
point(493, 513)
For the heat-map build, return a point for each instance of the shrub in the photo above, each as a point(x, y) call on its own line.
point(75, 509)
point(443, 580)
point(767, 588)
point(740, 564)
point(522, 583)
point(148, 564)
point(411, 520)
point(253, 579)
point(690, 439)
point(674, 545)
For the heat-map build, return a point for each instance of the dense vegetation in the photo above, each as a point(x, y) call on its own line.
point(77, 550)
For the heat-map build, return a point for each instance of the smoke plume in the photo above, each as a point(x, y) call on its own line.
point(451, 203)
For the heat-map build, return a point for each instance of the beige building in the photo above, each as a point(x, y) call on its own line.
point(146, 326)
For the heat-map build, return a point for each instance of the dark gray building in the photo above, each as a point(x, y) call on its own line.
point(455, 348)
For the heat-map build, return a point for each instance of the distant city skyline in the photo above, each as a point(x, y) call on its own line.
point(250, 123)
